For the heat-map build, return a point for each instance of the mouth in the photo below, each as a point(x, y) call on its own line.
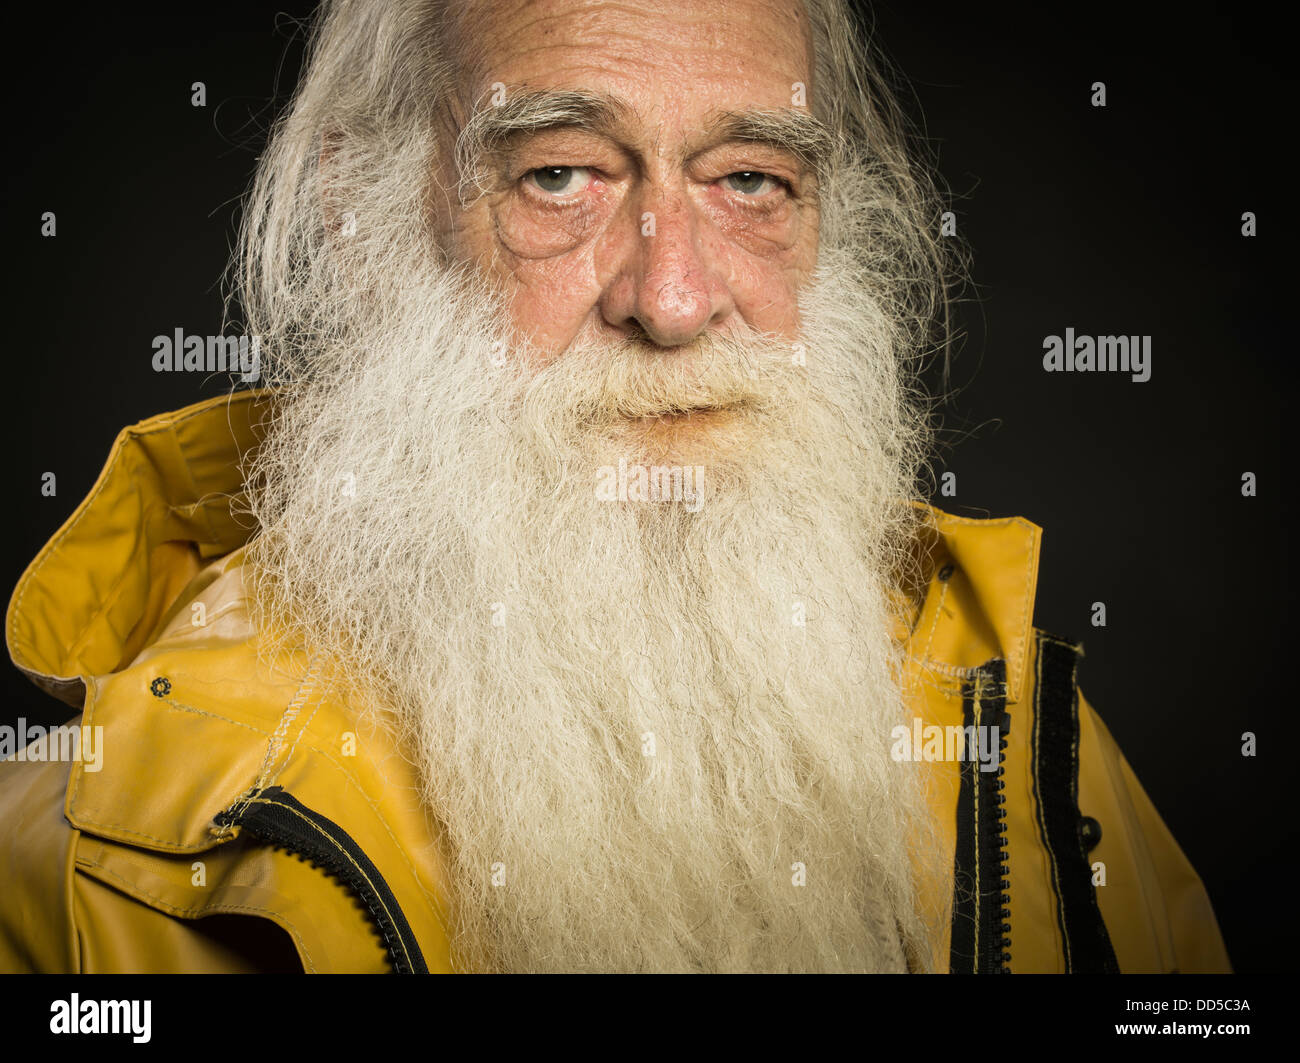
point(694, 435)
point(680, 415)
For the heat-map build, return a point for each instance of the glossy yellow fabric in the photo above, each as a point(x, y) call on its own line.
point(123, 870)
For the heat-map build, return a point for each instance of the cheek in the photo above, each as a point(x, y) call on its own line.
point(762, 278)
point(547, 267)
point(549, 258)
point(764, 256)
point(767, 298)
point(552, 298)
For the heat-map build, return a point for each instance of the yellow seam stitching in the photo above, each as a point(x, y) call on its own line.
point(291, 710)
point(934, 624)
point(284, 762)
point(170, 846)
point(953, 670)
point(227, 831)
point(432, 897)
point(347, 856)
point(172, 909)
point(1026, 617)
point(203, 712)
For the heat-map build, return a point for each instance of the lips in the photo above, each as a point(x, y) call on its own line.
point(691, 411)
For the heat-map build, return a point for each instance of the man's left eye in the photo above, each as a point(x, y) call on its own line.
point(751, 182)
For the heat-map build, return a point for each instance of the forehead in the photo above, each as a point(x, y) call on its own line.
point(661, 55)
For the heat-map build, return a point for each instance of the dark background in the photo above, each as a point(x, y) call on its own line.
point(1116, 220)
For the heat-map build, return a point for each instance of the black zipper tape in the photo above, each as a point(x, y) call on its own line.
point(981, 923)
point(1084, 938)
point(277, 818)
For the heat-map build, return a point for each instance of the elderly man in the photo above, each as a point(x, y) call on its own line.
point(563, 602)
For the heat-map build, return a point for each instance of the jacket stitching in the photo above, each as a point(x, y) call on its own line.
point(284, 763)
point(171, 846)
point(240, 803)
point(1025, 619)
point(134, 888)
point(953, 670)
point(347, 856)
point(435, 902)
point(246, 797)
point(224, 719)
point(296, 703)
point(222, 832)
point(433, 899)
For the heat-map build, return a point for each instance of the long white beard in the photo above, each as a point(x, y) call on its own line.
point(654, 733)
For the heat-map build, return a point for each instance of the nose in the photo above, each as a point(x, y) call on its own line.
point(665, 281)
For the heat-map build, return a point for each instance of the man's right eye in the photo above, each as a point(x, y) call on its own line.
point(559, 180)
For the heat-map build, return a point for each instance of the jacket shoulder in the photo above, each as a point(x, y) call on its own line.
point(203, 723)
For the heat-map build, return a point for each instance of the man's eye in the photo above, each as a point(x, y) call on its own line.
point(560, 180)
point(751, 182)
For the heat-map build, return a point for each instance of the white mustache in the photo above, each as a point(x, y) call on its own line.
point(604, 381)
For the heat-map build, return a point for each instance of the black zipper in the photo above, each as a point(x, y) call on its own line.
point(1054, 753)
point(981, 929)
point(995, 936)
point(277, 818)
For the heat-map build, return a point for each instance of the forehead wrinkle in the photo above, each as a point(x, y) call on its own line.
point(486, 33)
point(486, 37)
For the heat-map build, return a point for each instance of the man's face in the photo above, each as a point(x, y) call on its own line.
point(660, 222)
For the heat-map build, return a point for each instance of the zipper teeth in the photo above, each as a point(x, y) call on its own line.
point(320, 857)
point(994, 953)
point(308, 844)
point(1004, 880)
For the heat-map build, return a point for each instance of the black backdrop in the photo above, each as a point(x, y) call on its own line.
point(1117, 220)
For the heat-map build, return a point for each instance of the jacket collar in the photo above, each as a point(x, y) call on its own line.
point(161, 506)
point(167, 501)
point(981, 578)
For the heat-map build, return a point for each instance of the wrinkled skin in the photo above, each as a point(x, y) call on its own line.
point(568, 244)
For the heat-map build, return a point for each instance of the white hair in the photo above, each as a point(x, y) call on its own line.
point(669, 725)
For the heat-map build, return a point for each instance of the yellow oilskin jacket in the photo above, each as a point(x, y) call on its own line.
point(217, 807)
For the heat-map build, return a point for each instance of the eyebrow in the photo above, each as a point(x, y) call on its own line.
point(491, 129)
point(526, 114)
point(799, 132)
